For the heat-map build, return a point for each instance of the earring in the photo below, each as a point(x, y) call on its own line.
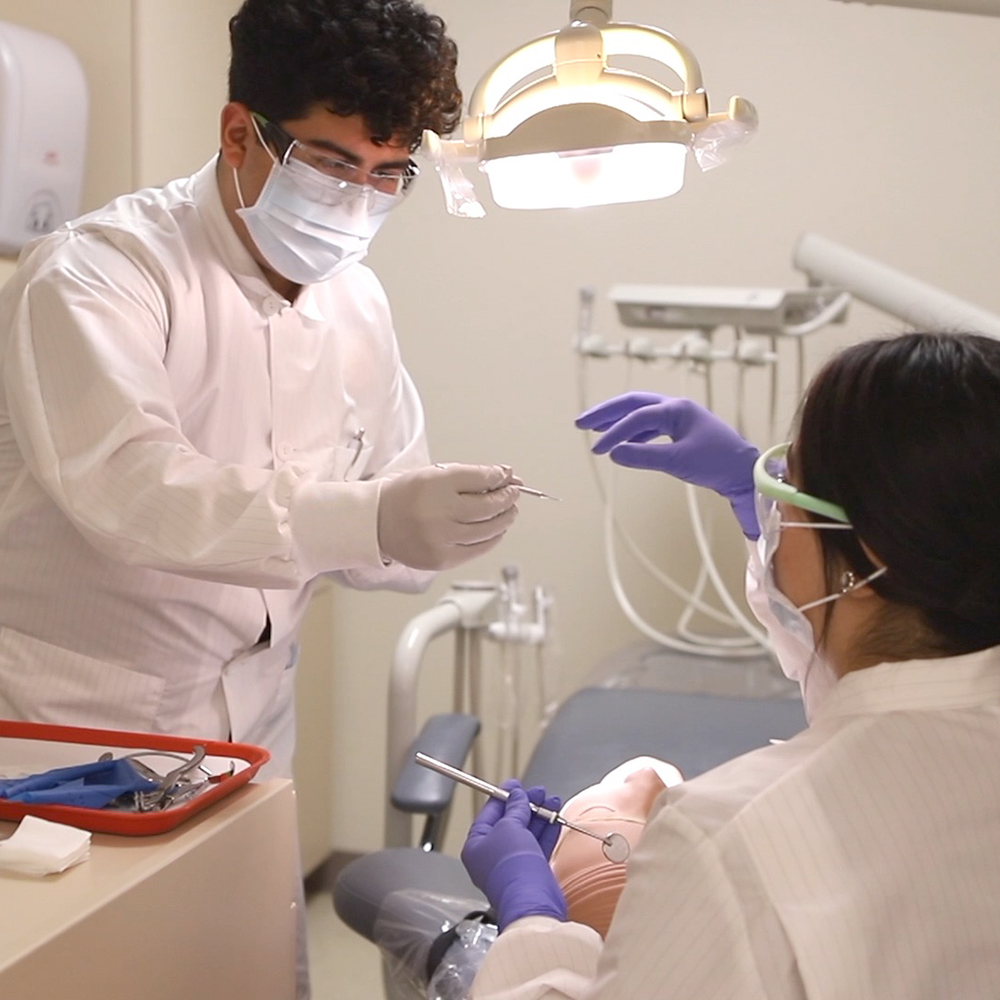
point(848, 581)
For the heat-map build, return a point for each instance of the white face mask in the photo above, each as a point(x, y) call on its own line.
point(789, 630)
point(304, 225)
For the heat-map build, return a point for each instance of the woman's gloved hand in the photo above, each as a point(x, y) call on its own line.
point(703, 450)
point(507, 856)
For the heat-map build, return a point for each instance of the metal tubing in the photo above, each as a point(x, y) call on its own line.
point(989, 7)
point(410, 648)
point(476, 690)
point(464, 608)
point(921, 305)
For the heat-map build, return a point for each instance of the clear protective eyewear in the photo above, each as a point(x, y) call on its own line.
point(770, 477)
point(336, 181)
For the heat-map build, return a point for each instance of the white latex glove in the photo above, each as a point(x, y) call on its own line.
point(440, 516)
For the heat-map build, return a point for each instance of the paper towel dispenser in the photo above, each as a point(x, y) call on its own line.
point(43, 134)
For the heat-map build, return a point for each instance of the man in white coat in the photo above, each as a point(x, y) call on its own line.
point(203, 407)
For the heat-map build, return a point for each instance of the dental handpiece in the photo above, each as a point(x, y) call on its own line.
point(616, 847)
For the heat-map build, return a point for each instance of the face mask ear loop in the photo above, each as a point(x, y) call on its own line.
point(853, 584)
point(846, 589)
point(239, 192)
point(236, 175)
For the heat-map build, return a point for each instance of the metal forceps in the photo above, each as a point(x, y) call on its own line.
point(173, 787)
point(616, 848)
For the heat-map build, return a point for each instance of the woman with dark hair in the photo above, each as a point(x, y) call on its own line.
point(860, 858)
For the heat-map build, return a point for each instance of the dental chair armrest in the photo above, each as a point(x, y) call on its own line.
point(447, 737)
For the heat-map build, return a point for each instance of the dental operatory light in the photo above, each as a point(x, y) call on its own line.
point(555, 125)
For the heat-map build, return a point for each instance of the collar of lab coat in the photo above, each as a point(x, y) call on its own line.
point(952, 682)
point(235, 256)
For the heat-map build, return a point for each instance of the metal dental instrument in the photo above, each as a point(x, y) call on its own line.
point(172, 787)
point(616, 848)
point(524, 489)
point(536, 493)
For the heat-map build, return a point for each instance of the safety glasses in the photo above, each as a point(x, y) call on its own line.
point(770, 477)
point(393, 183)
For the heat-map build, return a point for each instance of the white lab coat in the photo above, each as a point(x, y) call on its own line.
point(182, 453)
point(858, 861)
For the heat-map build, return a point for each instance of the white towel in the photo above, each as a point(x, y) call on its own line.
point(40, 847)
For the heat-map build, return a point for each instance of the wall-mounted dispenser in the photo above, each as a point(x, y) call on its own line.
point(43, 132)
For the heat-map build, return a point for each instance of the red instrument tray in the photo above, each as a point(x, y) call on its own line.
point(64, 745)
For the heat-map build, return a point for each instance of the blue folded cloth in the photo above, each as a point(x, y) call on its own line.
point(92, 785)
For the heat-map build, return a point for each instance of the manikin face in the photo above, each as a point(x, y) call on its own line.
point(620, 803)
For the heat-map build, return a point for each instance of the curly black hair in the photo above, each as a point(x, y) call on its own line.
point(388, 60)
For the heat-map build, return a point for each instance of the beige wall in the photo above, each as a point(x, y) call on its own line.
point(100, 34)
point(156, 76)
point(876, 131)
point(179, 84)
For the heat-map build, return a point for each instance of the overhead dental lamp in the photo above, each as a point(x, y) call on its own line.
point(553, 125)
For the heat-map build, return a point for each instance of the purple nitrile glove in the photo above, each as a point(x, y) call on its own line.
point(703, 450)
point(506, 855)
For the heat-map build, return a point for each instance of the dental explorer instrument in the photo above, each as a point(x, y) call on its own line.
point(616, 848)
point(537, 493)
point(524, 489)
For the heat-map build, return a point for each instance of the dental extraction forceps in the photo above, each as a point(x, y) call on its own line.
point(173, 787)
point(616, 848)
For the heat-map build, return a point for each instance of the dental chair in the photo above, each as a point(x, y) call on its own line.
point(688, 710)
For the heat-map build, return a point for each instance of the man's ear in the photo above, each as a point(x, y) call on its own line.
point(236, 133)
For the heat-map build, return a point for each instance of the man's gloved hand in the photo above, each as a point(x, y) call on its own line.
point(507, 856)
point(703, 449)
point(442, 515)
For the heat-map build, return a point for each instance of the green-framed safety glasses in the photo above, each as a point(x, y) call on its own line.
point(770, 479)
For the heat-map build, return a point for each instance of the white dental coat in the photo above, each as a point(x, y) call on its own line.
point(860, 860)
point(182, 453)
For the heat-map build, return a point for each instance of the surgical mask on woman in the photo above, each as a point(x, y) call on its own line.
point(788, 628)
point(309, 226)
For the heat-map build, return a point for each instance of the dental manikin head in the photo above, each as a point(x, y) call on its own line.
point(619, 803)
